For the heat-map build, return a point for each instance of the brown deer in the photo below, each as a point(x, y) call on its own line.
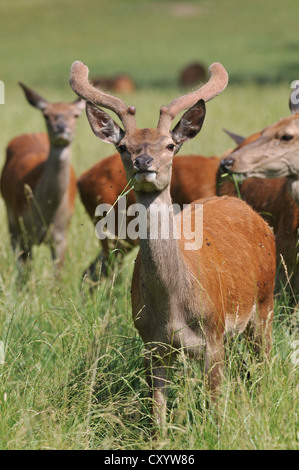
point(121, 83)
point(183, 299)
point(273, 154)
point(193, 177)
point(38, 183)
point(192, 74)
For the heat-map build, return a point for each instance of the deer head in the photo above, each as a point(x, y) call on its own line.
point(273, 153)
point(146, 153)
point(61, 118)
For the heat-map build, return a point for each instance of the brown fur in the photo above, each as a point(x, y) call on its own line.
point(191, 299)
point(120, 83)
point(29, 153)
point(272, 199)
point(250, 243)
point(192, 74)
point(186, 300)
point(193, 177)
point(38, 183)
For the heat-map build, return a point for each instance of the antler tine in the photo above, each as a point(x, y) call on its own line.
point(83, 88)
point(216, 84)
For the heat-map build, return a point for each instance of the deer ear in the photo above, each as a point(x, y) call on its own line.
point(190, 123)
point(103, 125)
point(80, 104)
point(34, 98)
point(236, 137)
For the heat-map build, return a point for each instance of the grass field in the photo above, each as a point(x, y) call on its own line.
point(73, 371)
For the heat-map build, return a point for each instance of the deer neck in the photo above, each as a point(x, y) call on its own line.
point(163, 268)
point(55, 180)
point(293, 188)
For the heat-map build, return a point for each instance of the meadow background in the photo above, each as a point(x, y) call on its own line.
point(73, 373)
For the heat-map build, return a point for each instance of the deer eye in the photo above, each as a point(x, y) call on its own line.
point(170, 147)
point(287, 137)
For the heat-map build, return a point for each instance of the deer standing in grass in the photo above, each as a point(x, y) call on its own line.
point(38, 183)
point(186, 300)
point(193, 177)
point(269, 162)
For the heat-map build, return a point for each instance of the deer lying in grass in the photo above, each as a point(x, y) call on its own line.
point(186, 299)
point(193, 177)
point(272, 154)
point(121, 83)
point(38, 183)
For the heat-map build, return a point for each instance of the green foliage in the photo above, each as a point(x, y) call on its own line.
point(73, 373)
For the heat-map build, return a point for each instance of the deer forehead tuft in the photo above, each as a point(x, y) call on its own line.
point(60, 108)
point(148, 139)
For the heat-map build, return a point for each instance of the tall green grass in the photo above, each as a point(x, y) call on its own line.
point(73, 373)
point(73, 379)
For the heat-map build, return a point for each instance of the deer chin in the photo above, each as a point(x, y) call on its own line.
point(271, 172)
point(146, 181)
point(61, 141)
point(145, 177)
point(237, 177)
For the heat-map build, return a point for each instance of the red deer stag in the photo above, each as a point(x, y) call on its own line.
point(272, 154)
point(185, 299)
point(193, 177)
point(38, 183)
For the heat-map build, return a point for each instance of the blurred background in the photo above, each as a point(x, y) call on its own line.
point(150, 39)
point(151, 42)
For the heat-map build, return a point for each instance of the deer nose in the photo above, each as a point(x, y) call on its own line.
point(60, 127)
point(143, 163)
point(226, 165)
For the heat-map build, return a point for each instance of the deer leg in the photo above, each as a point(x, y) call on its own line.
point(214, 357)
point(24, 258)
point(103, 262)
point(20, 244)
point(156, 375)
point(24, 265)
point(259, 329)
point(97, 267)
point(58, 248)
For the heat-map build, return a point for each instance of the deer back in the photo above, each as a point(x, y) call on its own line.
point(26, 157)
